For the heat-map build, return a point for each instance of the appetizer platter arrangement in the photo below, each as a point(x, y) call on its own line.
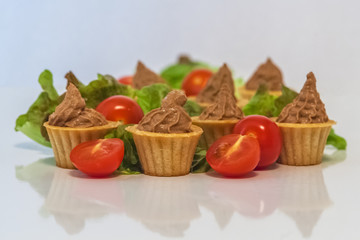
point(190, 118)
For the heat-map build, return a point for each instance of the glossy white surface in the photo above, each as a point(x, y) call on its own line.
point(41, 201)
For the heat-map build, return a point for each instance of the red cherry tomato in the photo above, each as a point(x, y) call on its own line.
point(98, 158)
point(234, 155)
point(120, 108)
point(268, 135)
point(195, 81)
point(127, 80)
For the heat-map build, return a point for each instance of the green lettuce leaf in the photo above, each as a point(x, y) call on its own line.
point(261, 103)
point(131, 163)
point(199, 164)
point(175, 74)
point(46, 83)
point(105, 86)
point(286, 97)
point(336, 140)
point(31, 122)
point(149, 97)
point(192, 108)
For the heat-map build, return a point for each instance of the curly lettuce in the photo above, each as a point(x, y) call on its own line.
point(105, 86)
point(31, 122)
point(336, 140)
point(199, 164)
point(149, 97)
point(261, 103)
point(131, 163)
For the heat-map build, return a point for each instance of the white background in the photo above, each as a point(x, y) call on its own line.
point(92, 37)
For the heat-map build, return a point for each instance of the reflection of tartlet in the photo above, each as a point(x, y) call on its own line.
point(169, 207)
point(72, 123)
point(304, 126)
point(218, 119)
point(267, 73)
point(165, 139)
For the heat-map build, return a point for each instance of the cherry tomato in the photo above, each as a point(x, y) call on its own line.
point(127, 80)
point(98, 158)
point(267, 133)
point(234, 155)
point(195, 81)
point(120, 108)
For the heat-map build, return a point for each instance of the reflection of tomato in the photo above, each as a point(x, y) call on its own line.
point(127, 80)
point(121, 108)
point(234, 155)
point(268, 135)
point(256, 197)
point(98, 158)
point(195, 81)
point(104, 196)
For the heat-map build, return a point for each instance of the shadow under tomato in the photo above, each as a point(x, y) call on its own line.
point(268, 168)
point(79, 174)
point(218, 175)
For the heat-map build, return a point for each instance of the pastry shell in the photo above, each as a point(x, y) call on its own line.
point(166, 154)
point(303, 144)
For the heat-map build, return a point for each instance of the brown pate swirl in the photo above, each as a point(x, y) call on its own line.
point(209, 93)
point(267, 73)
point(144, 77)
point(170, 117)
point(307, 107)
point(224, 108)
point(72, 112)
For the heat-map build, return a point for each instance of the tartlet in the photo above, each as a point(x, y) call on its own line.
point(303, 144)
point(165, 138)
point(209, 93)
point(267, 73)
point(166, 154)
point(304, 126)
point(73, 123)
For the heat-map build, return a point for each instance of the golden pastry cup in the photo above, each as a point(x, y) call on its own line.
point(64, 139)
point(213, 130)
point(303, 144)
point(248, 94)
point(166, 154)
